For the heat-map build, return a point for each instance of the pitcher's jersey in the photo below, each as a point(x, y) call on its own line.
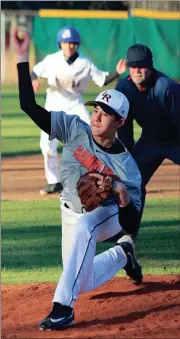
point(67, 82)
point(81, 155)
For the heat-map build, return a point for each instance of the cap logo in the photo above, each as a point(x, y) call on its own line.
point(66, 33)
point(106, 97)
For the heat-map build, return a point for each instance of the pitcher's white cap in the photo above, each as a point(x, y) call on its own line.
point(112, 102)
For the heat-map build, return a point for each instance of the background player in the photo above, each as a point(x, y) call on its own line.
point(85, 149)
point(68, 74)
point(155, 105)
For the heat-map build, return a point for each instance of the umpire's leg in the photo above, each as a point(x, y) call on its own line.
point(148, 158)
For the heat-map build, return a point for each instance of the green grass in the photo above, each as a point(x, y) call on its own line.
point(20, 136)
point(31, 240)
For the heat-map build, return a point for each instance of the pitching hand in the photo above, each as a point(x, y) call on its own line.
point(120, 189)
point(121, 66)
point(21, 42)
point(100, 178)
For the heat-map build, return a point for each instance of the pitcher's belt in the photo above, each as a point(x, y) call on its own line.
point(66, 205)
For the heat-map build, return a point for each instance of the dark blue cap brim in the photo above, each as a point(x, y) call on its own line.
point(140, 64)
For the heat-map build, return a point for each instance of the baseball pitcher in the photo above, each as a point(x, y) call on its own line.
point(100, 197)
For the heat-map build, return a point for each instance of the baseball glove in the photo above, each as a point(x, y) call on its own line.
point(93, 189)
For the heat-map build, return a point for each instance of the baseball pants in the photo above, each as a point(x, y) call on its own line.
point(82, 269)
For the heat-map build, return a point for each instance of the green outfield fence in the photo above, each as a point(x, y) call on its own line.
point(107, 35)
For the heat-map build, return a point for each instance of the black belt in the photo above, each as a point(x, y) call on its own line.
point(66, 205)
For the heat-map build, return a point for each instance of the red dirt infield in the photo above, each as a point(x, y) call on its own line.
point(118, 309)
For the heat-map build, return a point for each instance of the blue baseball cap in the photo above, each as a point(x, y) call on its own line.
point(139, 56)
point(68, 34)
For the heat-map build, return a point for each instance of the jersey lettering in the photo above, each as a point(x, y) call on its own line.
point(78, 151)
point(76, 84)
point(81, 157)
point(96, 166)
point(67, 83)
point(91, 162)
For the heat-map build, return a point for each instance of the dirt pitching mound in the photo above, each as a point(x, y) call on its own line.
point(117, 309)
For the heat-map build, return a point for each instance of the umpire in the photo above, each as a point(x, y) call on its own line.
point(155, 105)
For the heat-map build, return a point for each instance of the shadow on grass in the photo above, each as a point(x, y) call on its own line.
point(160, 223)
point(41, 95)
point(31, 247)
point(21, 137)
point(147, 228)
point(15, 95)
point(159, 204)
point(10, 115)
point(25, 153)
point(20, 153)
point(40, 246)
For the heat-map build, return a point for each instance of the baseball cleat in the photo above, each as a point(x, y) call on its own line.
point(60, 317)
point(133, 268)
point(51, 188)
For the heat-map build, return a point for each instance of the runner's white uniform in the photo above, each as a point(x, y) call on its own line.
point(66, 84)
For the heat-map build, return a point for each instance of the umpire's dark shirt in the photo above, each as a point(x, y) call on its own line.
point(156, 110)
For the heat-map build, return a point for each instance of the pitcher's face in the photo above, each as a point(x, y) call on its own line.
point(103, 124)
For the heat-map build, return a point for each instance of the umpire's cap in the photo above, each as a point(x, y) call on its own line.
point(112, 102)
point(139, 56)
